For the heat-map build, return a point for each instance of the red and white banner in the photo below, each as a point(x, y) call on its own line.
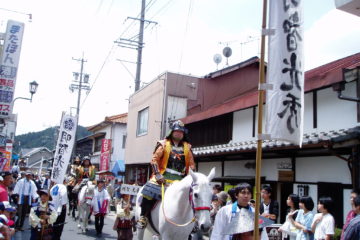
point(9, 65)
point(105, 155)
point(285, 71)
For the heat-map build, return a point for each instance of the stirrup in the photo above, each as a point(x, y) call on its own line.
point(142, 222)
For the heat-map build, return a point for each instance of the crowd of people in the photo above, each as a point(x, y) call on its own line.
point(46, 202)
point(300, 224)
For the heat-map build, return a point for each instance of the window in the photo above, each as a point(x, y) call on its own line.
point(124, 141)
point(98, 142)
point(142, 122)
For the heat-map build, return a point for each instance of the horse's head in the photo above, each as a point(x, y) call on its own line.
point(89, 194)
point(201, 198)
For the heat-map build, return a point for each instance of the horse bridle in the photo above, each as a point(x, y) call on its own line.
point(191, 199)
point(194, 219)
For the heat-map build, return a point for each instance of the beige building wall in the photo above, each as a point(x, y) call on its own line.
point(179, 88)
point(140, 148)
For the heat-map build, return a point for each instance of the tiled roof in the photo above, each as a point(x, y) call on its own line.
point(312, 138)
point(349, 62)
point(120, 118)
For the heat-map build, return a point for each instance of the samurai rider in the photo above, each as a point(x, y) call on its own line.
point(85, 172)
point(170, 162)
point(42, 216)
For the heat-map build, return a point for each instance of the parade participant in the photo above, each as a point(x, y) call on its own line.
point(86, 170)
point(5, 183)
point(124, 215)
point(269, 208)
point(351, 214)
point(224, 215)
point(171, 161)
point(352, 232)
point(38, 182)
point(323, 225)
point(46, 182)
point(304, 219)
point(100, 203)
point(42, 216)
point(25, 191)
point(15, 170)
point(59, 199)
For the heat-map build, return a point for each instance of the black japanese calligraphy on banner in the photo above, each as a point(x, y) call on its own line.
point(64, 148)
point(285, 103)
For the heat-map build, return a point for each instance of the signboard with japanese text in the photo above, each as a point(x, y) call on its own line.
point(9, 65)
point(64, 147)
point(105, 154)
point(8, 154)
point(285, 102)
point(129, 189)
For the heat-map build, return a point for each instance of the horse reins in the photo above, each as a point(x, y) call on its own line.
point(192, 206)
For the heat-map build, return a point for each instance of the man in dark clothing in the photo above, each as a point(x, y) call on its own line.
point(352, 232)
point(269, 208)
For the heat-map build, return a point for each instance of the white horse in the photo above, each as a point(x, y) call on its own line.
point(184, 201)
point(85, 197)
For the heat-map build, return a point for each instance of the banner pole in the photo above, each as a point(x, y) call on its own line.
point(260, 116)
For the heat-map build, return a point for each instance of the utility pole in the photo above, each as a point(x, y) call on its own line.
point(80, 82)
point(137, 45)
point(140, 46)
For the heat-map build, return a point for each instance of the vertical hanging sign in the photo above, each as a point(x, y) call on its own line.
point(9, 65)
point(64, 147)
point(285, 102)
point(105, 154)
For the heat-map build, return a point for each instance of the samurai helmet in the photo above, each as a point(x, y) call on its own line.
point(178, 125)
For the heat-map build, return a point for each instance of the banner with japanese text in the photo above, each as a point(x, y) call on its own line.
point(285, 71)
point(9, 65)
point(64, 147)
point(5, 158)
point(105, 155)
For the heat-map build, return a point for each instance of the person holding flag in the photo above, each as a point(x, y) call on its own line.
point(99, 204)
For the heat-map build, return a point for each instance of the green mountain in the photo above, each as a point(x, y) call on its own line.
point(45, 138)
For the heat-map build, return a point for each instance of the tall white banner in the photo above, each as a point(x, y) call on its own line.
point(64, 147)
point(285, 71)
point(9, 65)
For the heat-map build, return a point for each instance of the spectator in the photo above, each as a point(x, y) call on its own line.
point(25, 190)
point(5, 183)
point(222, 198)
point(352, 231)
point(288, 229)
point(216, 189)
point(6, 218)
point(304, 219)
point(351, 214)
point(231, 193)
point(323, 225)
point(269, 208)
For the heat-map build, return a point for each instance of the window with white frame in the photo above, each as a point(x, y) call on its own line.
point(142, 122)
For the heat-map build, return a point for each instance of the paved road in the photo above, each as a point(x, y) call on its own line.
point(71, 232)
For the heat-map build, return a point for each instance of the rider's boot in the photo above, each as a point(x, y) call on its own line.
point(146, 206)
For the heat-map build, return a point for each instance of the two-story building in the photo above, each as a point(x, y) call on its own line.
point(113, 128)
point(151, 109)
point(224, 134)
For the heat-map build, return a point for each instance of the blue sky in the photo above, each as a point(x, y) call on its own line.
point(187, 36)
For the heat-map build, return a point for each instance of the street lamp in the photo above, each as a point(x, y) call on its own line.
point(32, 88)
